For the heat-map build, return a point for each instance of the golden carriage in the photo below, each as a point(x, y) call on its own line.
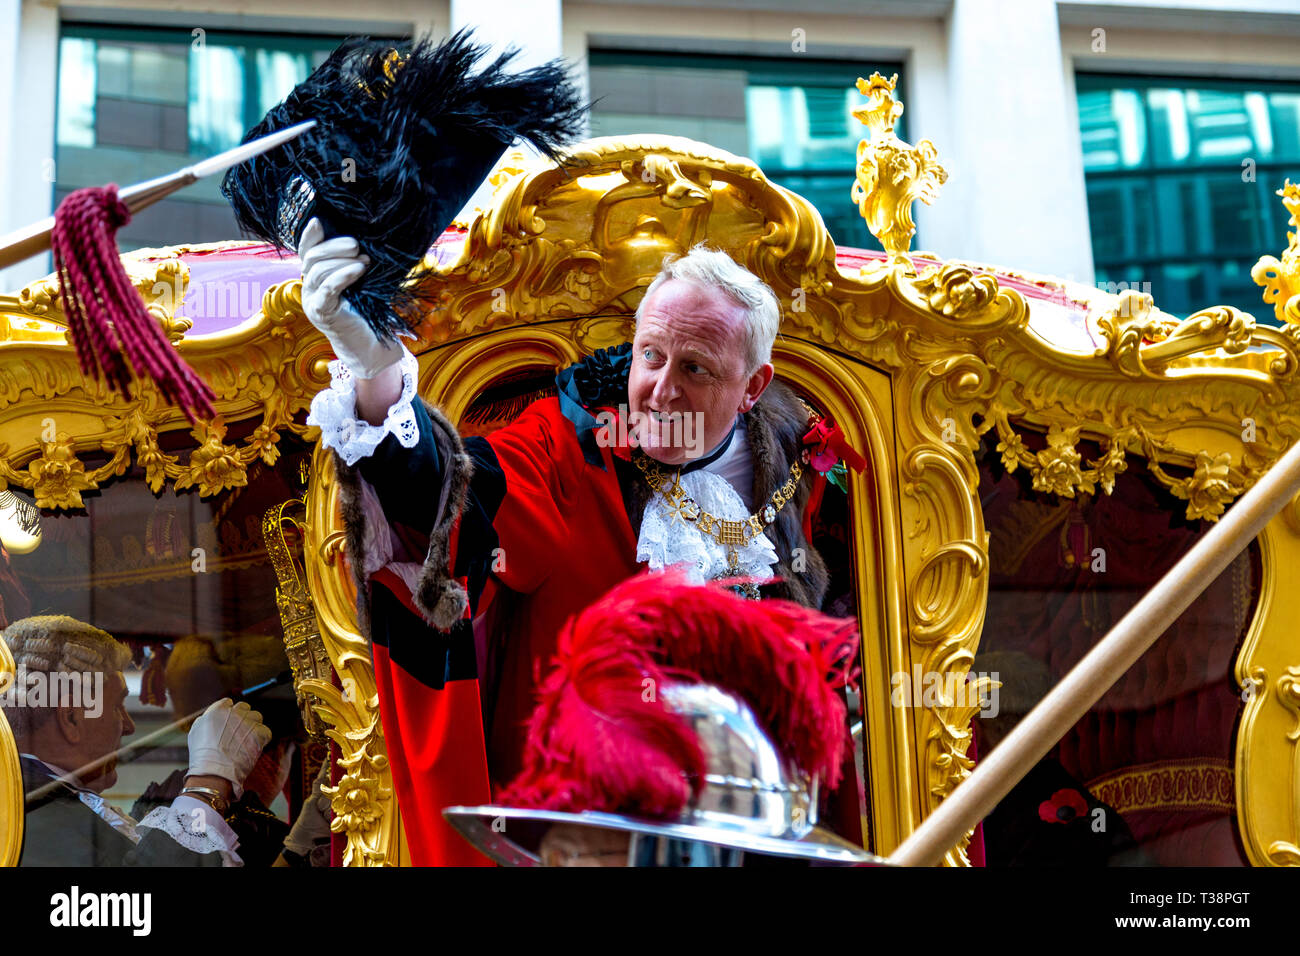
point(1038, 454)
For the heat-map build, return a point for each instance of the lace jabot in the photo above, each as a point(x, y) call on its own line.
point(334, 410)
point(668, 539)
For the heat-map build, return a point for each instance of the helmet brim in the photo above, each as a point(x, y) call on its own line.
point(512, 836)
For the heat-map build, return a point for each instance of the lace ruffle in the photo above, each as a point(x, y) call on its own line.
point(195, 826)
point(334, 410)
point(668, 539)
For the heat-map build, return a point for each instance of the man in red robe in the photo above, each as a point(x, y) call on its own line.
point(470, 553)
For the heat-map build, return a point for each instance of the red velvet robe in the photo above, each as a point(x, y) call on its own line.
point(540, 531)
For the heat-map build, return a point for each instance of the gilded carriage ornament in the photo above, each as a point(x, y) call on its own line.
point(302, 641)
point(1281, 277)
point(925, 366)
point(891, 174)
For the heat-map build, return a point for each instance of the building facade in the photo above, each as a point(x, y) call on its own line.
point(1136, 145)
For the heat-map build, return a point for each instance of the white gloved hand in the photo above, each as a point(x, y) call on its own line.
point(225, 742)
point(329, 266)
point(313, 824)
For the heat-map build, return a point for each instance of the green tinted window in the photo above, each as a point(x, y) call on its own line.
point(1181, 176)
point(794, 119)
point(138, 103)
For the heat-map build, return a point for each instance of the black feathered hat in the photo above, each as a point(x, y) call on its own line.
point(405, 134)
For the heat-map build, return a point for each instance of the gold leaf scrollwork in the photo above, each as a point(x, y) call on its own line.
point(1140, 344)
point(1127, 326)
point(951, 737)
point(163, 293)
point(361, 798)
point(1281, 277)
point(1283, 852)
point(1288, 695)
point(676, 190)
point(366, 813)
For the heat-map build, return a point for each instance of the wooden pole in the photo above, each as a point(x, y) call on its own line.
point(1128, 640)
point(34, 239)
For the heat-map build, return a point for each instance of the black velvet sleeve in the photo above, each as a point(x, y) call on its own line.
point(407, 480)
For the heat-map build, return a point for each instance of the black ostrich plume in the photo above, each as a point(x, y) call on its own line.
point(405, 134)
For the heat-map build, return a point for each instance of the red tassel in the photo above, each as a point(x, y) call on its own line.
point(115, 337)
point(601, 739)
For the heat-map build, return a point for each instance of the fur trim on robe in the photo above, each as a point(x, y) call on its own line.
point(439, 597)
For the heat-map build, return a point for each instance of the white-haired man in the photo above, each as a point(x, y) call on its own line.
point(67, 709)
point(676, 448)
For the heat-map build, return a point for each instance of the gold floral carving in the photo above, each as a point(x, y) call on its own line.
point(50, 416)
point(1059, 469)
point(364, 809)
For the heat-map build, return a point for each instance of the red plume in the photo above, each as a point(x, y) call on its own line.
point(602, 739)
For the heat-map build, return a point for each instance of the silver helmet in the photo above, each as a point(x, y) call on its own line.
point(752, 801)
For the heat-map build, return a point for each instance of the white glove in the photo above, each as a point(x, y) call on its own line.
point(329, 266)
point(225, 742)
point(313, 824)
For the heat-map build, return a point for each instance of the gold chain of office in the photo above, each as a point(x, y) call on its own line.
point(729, 534)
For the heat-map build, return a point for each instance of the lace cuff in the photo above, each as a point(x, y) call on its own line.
point(197, 827)
point(334, 410)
